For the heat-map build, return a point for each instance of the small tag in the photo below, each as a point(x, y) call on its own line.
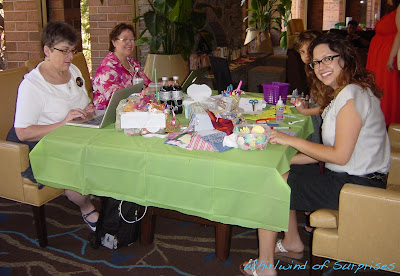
point(109, 241)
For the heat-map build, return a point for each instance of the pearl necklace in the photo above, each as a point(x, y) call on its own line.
point(130, 69)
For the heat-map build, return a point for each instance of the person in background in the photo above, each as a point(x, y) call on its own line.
point(352, 35)
point(118, 69)
point(51, 95)
point(355, 147)
point(301, 45)
point(382, 61)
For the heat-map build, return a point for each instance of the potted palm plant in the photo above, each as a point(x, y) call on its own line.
point(265, 15)
point(171, 27)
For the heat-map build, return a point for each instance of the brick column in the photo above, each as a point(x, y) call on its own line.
point(22, 31)
point(102, 18)
point(333, 13)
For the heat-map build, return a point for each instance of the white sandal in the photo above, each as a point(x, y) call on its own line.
point(249, 264)
point(284, 252)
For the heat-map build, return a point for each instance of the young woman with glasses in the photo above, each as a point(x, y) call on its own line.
point(355, 145)
point(118, 69)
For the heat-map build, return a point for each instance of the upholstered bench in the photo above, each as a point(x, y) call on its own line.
point(264, 74)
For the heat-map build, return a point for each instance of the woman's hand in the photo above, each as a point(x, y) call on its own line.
point(75, 113)
point(301, 107)
point(89, 108)
point(389, 64)
point(278, 137)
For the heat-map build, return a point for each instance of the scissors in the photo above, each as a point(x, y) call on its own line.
point(253, 103)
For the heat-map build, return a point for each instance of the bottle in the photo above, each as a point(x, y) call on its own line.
point(177, 95)
point(294, 96)
point(165, 94)
point(279, 110)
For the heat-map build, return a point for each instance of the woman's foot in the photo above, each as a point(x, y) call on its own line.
point(257, 267)
point(91, 219)
point(284, 246)
point(308, 228)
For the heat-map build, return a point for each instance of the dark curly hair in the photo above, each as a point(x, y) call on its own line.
point(353, 72)
point(116, 31)
point(57, 31)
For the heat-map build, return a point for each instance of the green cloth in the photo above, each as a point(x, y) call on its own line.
point(234, 187)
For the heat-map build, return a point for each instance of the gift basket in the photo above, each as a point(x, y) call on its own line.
point(141, 114)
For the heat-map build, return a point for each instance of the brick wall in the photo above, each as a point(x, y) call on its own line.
point(333, 13)
point(21, 31)
point(102, 18)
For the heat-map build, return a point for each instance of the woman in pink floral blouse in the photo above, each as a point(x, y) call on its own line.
point(117, 70)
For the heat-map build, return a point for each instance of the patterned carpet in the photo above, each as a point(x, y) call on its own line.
point(179, 248)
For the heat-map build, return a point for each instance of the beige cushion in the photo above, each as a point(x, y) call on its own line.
point(9, 82)
point(31, 64)
point(80, 62)
point(324, 218)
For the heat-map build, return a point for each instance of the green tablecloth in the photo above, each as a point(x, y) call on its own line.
point(234, 187)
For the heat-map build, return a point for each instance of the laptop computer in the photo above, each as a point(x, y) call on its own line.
point(102, 118)
point(192, 78)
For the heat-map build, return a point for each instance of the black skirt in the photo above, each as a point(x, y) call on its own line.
point(311, 190)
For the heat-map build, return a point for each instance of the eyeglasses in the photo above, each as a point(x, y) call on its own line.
point(66, 51)
point(126, 40)
point(325, 61)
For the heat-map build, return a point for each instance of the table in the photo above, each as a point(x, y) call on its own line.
point(234, 187)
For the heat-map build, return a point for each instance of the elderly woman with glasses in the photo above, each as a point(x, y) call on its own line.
point(51, 95)
point(355, 145)
point(118, 69)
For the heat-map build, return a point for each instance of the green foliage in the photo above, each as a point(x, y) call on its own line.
point(270, 14)
point(263, 14)
point(85, 31)
point(285, 9)
point(173, 26)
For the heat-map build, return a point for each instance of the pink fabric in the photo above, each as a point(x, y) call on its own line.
point(111, 75)
point(199, 144)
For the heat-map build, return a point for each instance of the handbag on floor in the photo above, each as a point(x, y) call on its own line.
point(118, 224)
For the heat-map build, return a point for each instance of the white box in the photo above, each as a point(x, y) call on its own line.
point(148, 120)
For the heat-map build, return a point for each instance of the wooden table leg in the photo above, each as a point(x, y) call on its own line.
point(223, 235)
point(40, 224)
point(147, 225)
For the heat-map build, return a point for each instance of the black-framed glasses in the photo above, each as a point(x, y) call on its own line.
point(126, 40)
point(325, 61)
point(66, 51)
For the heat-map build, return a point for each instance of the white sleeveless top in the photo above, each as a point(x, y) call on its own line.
point(372, 150)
